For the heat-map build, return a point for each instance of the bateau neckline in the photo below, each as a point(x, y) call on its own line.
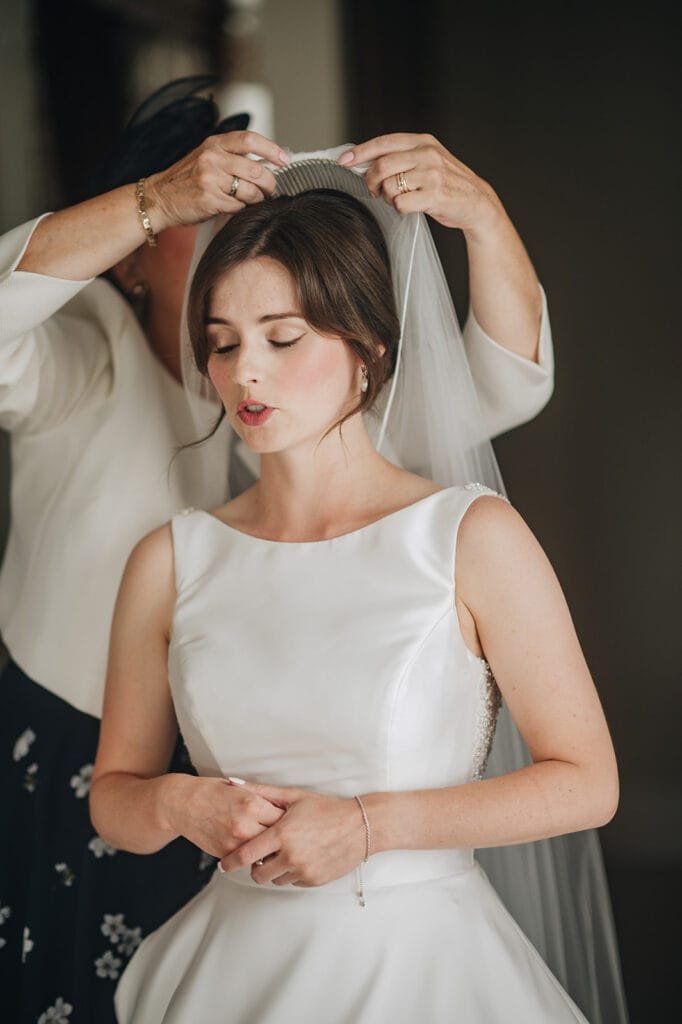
point(329, 540)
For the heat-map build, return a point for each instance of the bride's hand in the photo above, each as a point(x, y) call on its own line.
point(319, 838)
point(434, 181)
point(216, 815)
point(200, 185)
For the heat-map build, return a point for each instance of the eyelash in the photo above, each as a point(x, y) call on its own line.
point(226, 349)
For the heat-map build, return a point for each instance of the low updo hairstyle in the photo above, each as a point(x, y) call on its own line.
point(337, 257)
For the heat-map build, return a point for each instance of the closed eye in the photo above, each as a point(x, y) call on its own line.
point(285, 344)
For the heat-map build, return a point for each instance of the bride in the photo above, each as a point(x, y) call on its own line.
point(334, 645)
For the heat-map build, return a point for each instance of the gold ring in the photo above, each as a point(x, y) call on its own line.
point(401, 183)
point(234, 186)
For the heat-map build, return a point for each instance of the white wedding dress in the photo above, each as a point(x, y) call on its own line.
point(339, 666)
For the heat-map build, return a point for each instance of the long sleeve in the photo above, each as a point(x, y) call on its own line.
point(511, 390)
point(49, 360)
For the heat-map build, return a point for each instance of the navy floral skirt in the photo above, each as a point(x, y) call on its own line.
point(72, 909)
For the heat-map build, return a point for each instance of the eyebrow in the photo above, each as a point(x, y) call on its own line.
point(263, 320)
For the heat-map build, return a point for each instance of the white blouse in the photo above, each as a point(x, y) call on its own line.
point(95, 419)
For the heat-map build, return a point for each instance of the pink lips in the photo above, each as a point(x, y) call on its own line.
point(253, 419)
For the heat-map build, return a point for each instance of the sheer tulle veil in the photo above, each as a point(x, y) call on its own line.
point(428, 419)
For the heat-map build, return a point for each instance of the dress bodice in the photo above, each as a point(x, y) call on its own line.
point(335, 665)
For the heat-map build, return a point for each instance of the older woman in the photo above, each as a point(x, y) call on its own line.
point(94, 402)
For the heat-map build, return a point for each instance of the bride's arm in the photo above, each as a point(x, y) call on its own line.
point(508, 598)
point(135, 804)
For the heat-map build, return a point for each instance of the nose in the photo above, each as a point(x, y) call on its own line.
point(245, 371)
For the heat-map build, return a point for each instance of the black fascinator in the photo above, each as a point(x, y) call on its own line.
point(165, 127)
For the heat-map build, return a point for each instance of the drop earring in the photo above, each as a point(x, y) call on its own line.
point(138, 296)
point(364, 381)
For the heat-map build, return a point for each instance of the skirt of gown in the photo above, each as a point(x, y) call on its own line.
point(430, 952)
point(72, 909)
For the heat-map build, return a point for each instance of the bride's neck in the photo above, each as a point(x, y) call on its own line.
point(308, 494)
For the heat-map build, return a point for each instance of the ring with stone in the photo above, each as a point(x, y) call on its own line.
point(234, 186)
point(401, 183)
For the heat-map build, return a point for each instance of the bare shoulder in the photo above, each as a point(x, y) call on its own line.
point(149, 576)
point(495, 545)
point(154, 553)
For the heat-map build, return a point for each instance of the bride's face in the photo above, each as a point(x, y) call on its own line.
point(282, 383)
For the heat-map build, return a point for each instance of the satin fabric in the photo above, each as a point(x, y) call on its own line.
point(339, 666)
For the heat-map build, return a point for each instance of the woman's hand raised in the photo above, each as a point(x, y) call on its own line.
point(216, 815)
point(318, 838)
point(433, 180)
point(202, 183)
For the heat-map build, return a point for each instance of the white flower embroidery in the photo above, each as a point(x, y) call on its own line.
point(21, 747)
point(113, 926)
point(27, 945)
point(99, 847)
point(206, 861)
point(132, 938)
point(66, 875)
point(31, 777)
point(108, 965)
point(56, 1014)
point(5, 912)
point(81, 782)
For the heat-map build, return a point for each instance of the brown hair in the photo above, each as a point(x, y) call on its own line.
point(336, 254)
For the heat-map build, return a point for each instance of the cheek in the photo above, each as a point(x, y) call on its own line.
point(218, 374)
point(326, 370)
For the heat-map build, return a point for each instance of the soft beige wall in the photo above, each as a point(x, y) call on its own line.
point(301, 42)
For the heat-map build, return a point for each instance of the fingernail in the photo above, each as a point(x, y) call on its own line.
point(284, 157)
point(235, 781)
point(221, 869)
point(347, 158)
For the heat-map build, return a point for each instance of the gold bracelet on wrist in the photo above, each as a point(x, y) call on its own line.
point(368, 830)
point(142, 210)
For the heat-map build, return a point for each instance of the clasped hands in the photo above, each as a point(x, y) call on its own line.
point(288, 836)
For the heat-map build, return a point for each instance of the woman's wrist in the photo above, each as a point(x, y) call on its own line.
point(490, 221)
point(171, 799)
point(159, 217)
point(379, 808)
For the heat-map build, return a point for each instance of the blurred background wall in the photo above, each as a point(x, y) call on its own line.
point(571, 112)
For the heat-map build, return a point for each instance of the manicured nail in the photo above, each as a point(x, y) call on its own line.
point(347, 158)
point(221, 869)
point(284, 157)
point(235, 781)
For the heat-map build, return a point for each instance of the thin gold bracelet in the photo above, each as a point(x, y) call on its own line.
point(142, 210)
point(368, 831)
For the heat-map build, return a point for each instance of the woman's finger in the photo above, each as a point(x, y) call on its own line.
point(289, 878)
point(414, 180)
point(240, 190)
point(388, 167)
point(253, 171)
point(252, 142)
point(281, 796)
point(272, 869)
point(380, 146)
point(268, 813)
point(247, 854)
